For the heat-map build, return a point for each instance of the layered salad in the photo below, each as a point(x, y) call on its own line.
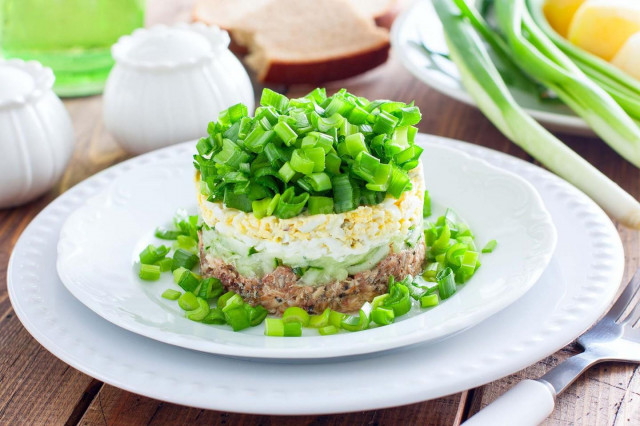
point(312, 202)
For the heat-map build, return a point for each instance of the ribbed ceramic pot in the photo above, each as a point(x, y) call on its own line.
point(36, 135)
point(169, 83)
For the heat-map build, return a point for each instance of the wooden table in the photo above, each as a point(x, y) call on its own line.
point(37, 388)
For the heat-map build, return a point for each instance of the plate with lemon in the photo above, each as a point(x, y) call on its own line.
point(606, 32)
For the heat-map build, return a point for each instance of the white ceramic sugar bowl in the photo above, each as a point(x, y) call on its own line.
point(169, 83)
point(36, 135)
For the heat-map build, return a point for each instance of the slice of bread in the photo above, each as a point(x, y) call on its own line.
point(303, 41)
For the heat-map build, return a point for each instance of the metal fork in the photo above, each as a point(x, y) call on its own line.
point(613, 338)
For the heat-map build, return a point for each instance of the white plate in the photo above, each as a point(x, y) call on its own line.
point(101, 240)
point(420, 24)
point(575, 289)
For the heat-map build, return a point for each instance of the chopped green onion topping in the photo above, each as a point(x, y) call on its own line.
point(338, 147)
point(320, 205)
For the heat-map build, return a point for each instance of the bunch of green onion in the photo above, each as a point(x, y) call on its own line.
point(603, 96)
point(314, 154)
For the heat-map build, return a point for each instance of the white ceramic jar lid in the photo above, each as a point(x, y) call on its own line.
point(21, 82)
point(163, 47)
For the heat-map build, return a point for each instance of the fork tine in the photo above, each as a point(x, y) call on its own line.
point(632, 318)
point(625, 298)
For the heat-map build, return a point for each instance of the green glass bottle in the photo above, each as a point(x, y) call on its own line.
point(73, 37)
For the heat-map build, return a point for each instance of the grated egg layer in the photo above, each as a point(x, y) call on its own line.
point(336, 235)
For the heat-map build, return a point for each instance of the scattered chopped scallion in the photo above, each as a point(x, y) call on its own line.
point(328, 330)
point(296, 314)
point(171, 294)
point(184, 258)
point(429, 300)
point(149, 272)
point(273, 327)
point(382, 316)
point(152, 254)
point(319, 321)
point(188, 301)
point(200, 312)
point(164, 264)
point(490, 246)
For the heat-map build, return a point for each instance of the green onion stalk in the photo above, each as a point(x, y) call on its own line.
point(482, 80)
point(622, 87)
point(533, 51)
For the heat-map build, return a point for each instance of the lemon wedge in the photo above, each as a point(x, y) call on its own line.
point(559, 13)
point(628, 57)
point(603, 26)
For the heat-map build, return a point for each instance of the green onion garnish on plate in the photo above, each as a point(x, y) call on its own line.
point(490, 246)
point(149, 272)
point(171, 294)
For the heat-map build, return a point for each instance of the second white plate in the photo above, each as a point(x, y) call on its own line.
point(100, 242)
point(420, 24)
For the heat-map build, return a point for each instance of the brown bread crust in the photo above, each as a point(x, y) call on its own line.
point(319, 71)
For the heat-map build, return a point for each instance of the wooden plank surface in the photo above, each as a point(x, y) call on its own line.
point(37, 388)
point(113, 406)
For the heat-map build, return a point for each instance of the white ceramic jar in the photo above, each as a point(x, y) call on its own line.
point(169, 83)
point(36, 135)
